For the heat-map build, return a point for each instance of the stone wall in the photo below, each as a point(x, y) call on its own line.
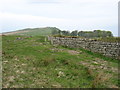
point(105, 48)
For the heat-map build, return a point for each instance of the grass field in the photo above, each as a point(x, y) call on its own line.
point(32, 62)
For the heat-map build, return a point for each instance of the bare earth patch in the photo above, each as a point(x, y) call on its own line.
point(56, 50)
point(73, 52)
point(99, 65)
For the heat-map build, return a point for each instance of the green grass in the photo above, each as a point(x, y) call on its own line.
point(32, 62)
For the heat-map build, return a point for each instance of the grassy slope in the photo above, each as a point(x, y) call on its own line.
point(39, 31)
point(34, 63)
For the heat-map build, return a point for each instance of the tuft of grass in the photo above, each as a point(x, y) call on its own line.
point(45, 61)
point(100, 79)
point(89, 72)
point(48, 60)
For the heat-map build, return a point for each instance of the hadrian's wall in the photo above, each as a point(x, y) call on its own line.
point(105, 48)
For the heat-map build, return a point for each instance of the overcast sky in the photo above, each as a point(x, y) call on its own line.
point(64, 14)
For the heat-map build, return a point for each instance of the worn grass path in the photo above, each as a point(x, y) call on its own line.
point(30, 62)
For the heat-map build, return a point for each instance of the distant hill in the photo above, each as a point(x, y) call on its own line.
point(34, 31)
point(55, 31)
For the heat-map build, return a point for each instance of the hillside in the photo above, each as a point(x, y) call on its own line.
point(32, 62)
point(34, 31)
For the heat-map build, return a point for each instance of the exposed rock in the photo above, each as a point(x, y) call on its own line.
point(56, 85)
point(60, 73)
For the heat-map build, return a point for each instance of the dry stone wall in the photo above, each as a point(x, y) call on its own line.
point(105, 48)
